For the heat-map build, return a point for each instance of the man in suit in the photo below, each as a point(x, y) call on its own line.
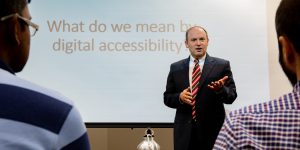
point(199, 111)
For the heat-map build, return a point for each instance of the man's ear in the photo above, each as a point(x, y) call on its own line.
point(186, 44)
point(14, 31)
point(288, 52)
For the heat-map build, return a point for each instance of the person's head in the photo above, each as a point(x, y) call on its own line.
point(15, 33)
point(287, 23)
point(196, 40)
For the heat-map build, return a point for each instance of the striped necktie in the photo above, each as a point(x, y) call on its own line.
point(194, 89)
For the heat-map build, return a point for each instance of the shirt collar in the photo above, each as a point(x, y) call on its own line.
point(201, 60)
point(5, 67)
point(297, 87)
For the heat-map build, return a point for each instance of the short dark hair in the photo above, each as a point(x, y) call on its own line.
point(287, 21)
point(12, 6)
point(188, 30)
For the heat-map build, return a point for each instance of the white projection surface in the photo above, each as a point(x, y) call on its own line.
point(112, 57)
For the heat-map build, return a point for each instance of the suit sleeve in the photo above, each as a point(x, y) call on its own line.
point(228, 93)
point(171, 95)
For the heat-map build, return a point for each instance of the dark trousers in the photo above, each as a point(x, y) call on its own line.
point(198, 141)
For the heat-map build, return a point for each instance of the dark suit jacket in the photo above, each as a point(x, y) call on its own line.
point(210, 111)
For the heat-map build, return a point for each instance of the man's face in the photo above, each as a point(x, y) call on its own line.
point(197, 42)
point(290, 74)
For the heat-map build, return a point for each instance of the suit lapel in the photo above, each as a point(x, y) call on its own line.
point(186, 72)
point(207, 68)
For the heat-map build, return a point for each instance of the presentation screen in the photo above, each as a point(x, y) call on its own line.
point(112, 57)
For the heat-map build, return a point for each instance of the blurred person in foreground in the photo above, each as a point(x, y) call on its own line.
point(31, 117)
point(274, 124)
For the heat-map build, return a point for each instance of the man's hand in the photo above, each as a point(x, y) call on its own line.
point(217, 85)
point(186, 96)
